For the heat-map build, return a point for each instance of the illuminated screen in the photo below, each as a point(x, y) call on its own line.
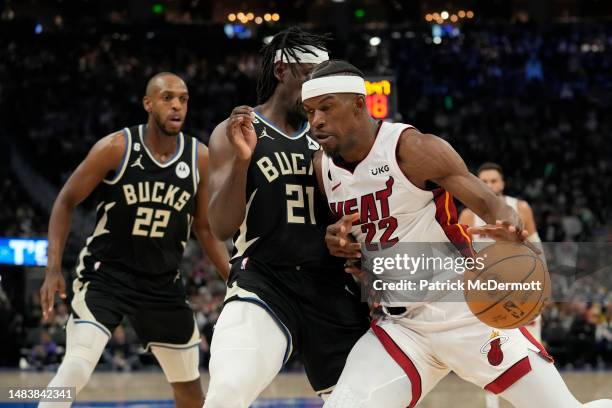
point(381, 97)
point(21, 251)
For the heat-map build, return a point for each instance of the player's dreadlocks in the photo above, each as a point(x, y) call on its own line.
point(289, 40)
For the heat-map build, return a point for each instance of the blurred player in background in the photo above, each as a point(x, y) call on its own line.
point(286, 294)
point(493, 176)
point(152, 181)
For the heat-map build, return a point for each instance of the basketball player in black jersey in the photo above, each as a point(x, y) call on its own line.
point(152, 181)
point(286, 294)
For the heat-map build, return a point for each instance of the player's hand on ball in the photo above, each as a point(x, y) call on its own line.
point(504, 231)
point(241, 133)
point(339, 240)
point(501, 231)
point(54, 282)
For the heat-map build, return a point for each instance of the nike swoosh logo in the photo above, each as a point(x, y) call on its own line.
point(336, 186)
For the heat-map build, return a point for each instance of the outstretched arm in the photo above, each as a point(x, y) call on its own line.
point(425, 157)
point(467, 217)
point(215, 249)
point(526, 214)
point(103, 157)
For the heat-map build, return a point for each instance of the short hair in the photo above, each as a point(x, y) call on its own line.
point(490, 166)
point(289, 40)
point(335, 67)
point(151, 82)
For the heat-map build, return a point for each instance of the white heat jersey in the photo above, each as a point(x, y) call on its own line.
point(391, 208)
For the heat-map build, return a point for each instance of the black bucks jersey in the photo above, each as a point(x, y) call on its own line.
point(146, 209)
point(286, 215)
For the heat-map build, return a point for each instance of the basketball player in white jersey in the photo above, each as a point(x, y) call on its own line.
point(377, 176)
point(493, 176)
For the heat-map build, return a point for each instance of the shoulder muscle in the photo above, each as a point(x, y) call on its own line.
point(425, 157)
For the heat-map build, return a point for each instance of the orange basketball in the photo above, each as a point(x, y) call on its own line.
point(511, 287)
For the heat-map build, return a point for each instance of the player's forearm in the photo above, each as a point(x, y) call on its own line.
point(59, 228)
point(498, 210)
point(480, 199)
point(227, 202)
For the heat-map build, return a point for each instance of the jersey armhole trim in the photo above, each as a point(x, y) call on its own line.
point(325, 172)
point(124, 160)
point(395, 164)
point(194, 164)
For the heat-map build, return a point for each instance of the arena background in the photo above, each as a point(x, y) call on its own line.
point(524, 83)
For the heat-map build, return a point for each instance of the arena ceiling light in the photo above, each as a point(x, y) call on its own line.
point(443, 16)
point(247, 17)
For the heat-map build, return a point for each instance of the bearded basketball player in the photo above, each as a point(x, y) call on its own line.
point(153, 188)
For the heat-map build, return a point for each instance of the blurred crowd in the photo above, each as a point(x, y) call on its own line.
point(535, 100)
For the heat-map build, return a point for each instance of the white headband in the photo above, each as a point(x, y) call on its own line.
point(333, 84)
point(303, 57)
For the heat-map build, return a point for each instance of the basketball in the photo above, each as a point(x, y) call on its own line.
point(510, 289)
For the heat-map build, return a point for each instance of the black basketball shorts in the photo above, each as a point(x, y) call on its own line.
point(319, 310)
point(156, 306)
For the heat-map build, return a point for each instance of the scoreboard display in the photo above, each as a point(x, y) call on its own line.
point(381, 97)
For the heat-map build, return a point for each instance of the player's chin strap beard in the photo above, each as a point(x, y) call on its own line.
point(162, 129)
point(168, 134)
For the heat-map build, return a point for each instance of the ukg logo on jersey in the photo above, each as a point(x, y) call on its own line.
point(380, 170)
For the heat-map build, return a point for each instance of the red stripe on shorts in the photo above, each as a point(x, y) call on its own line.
point(509, 377)
point(543, 353)
point(402, 359)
